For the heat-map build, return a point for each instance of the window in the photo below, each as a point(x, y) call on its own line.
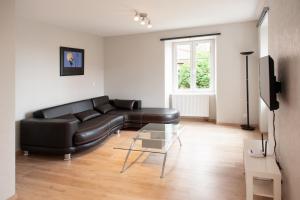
point(194, 66)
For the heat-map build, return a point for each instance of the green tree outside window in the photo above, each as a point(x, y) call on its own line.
point(202, 72)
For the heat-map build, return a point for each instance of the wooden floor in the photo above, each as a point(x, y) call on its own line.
point(209, 166)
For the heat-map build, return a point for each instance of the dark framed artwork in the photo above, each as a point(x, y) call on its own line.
point(71, 61)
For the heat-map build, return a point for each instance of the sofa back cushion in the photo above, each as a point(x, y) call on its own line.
point(70, 108)
point(87, 115)
point(124, 104)
point(99, 101)
point(105, 108)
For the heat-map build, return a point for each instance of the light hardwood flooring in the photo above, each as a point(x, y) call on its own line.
point(209, 166)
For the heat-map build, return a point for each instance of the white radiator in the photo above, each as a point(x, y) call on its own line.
point(191, 105)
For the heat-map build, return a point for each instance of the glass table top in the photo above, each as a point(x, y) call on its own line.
point(154, 131)
point(156, 138)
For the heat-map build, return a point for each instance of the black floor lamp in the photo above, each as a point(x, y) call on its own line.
point(247, 126)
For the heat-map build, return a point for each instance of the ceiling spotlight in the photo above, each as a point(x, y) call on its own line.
point(136, 17)
point(143, 21)
point(143, 17)
point(149, 24)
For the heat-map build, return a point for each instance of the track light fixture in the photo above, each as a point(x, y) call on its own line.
point(142, 18)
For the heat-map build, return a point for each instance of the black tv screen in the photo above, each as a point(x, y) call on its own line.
point(267, 83)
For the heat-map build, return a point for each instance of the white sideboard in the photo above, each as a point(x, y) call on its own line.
point(263, 177)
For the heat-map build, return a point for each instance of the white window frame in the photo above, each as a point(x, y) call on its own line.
point(194, 89)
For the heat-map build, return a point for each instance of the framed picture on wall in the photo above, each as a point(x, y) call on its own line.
point(71, 61)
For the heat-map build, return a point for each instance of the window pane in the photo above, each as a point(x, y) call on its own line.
point(203, 73)
point(183, 61)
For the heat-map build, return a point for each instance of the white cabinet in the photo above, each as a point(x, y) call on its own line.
point(263, 177)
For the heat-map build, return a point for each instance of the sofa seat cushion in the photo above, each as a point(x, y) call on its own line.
point(134, 116)
point(159, 115)
point(149, 115)
point(87, 115)
point(116, 120)
point(92, 130)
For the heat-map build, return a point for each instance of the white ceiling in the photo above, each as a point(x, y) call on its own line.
point(115, 17)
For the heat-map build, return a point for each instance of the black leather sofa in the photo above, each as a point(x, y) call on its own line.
point(76, 126)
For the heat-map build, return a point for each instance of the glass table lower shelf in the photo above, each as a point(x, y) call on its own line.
point(152, 138)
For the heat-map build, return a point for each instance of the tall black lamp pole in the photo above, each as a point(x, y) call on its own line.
point(247, 126)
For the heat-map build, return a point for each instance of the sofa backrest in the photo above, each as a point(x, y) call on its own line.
point(76, 107)
point(70, 108)
point(137, 105)
point(98, 101)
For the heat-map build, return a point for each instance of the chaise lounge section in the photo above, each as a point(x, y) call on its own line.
point(76, 126)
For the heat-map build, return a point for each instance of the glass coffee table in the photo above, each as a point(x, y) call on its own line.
point(152, 138)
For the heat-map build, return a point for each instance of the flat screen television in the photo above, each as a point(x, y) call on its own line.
point(267, 83)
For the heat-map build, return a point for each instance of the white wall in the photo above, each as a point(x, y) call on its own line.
point(7, 103)
point(284, 47)
point(134, 68)
point(231, 73)
point(38, 81)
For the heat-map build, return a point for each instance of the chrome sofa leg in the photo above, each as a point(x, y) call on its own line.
point(26, 153)
point(67, 157)
point(118, 132)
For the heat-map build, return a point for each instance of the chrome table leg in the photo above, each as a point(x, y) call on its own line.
point(128, 153)
point(163, 166)
point(179, 141)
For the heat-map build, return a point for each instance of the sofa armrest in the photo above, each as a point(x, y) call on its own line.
point(53, 133)
point(137, 104)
